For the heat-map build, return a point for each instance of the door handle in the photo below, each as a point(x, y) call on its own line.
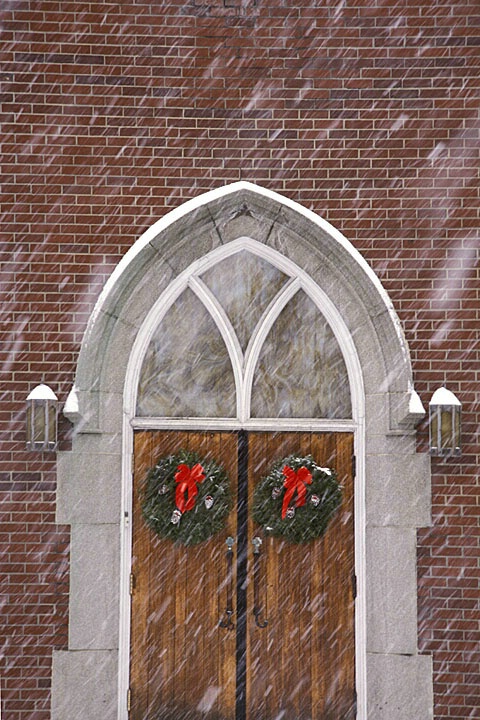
point(226, 621)
point(257, 610)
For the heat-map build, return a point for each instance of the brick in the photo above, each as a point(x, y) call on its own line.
point(364, 112)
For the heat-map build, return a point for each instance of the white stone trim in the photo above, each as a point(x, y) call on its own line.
point(259, 336)
point(307, 425)
point(227, 332)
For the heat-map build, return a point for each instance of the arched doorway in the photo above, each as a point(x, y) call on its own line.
point(95, 479)
point(243, 346)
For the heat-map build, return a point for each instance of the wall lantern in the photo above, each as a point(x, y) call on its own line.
point(42, 419)
point(445, 415)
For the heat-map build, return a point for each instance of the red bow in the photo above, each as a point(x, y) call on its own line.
point(187, 479)
point(295, 481)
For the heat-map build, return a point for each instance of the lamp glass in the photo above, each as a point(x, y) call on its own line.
point(446, 426)
point(41, 422)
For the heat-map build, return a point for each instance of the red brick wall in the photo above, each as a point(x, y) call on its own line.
point(113, 113)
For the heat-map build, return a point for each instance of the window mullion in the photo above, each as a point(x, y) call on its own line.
point(227, 332)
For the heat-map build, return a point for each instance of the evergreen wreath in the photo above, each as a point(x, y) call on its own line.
point(187, 498)
point(297, 499)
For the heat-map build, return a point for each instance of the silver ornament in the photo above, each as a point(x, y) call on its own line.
point(209, 502)
point(276, 492)
point(315, 500)
point(176, 517)
point(290, 513)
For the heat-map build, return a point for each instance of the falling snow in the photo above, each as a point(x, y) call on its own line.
point(114, 113)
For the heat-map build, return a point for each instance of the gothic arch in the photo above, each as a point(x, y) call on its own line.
point(392, 484)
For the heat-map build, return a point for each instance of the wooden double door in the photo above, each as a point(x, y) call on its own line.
point(291, 659)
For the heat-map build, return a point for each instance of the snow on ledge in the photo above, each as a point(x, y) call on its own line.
point(415, 406)
point(71, 409)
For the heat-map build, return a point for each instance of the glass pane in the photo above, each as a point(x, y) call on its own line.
point(187, 370)
point(301, 371)
point(244, 284)
point(39, 422)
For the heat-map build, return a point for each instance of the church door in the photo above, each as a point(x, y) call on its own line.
point(287, 650)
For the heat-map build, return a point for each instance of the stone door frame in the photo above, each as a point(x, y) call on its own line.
point(94, 479)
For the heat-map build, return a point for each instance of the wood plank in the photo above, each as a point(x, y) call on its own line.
point(140, 568)
point(257, 680)
point(166, 608)
point(346, 650)
point(319, 451)
point(304, 564)
point(197, 561)
point(338, 616)
point(227, 638)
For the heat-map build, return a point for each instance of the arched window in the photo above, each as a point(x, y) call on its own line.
point(244, 339)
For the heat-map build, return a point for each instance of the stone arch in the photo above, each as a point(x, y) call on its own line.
point(393, 481)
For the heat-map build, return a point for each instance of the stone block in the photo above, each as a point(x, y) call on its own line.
point(88, 486)
point(399, 687)
point(94, 587)
point(111, 415)
point(398, 490)
point(391, 590)
point(84, 685)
